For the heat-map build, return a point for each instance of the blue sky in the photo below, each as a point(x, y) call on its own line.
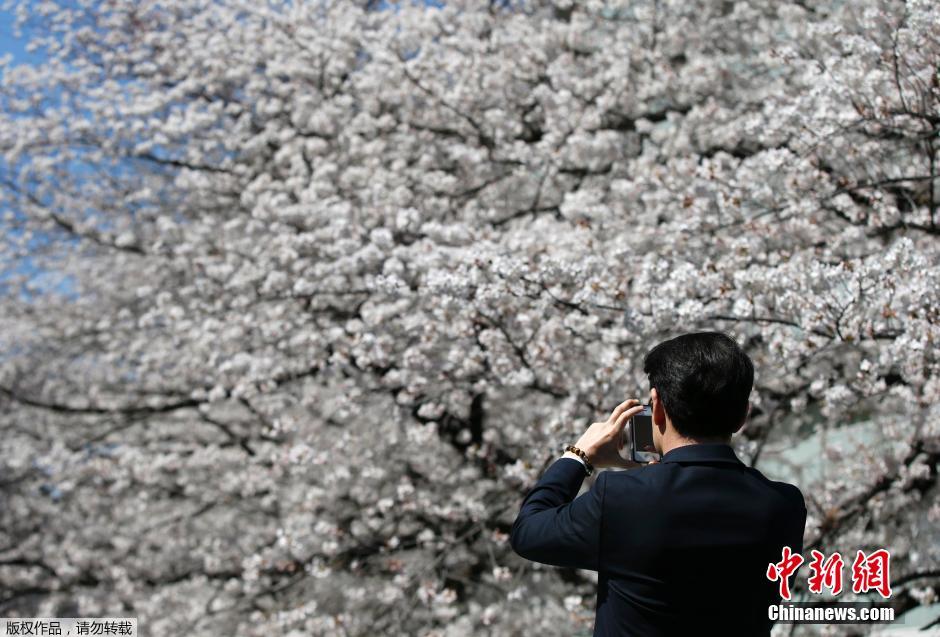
point(15, 46)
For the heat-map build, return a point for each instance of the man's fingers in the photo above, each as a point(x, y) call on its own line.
point(619, 409)
point(626, 415)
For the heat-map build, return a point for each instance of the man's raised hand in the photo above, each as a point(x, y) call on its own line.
point(601, 441)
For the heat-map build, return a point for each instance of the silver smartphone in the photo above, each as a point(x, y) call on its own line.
point(641, 445)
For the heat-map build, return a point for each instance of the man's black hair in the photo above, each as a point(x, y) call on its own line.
point(704, 380)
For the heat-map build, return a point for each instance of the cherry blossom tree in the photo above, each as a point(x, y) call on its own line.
point(342, 278)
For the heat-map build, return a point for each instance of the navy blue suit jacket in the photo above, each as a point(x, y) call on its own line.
point(680, 547)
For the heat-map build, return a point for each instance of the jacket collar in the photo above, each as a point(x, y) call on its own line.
point(703, 452)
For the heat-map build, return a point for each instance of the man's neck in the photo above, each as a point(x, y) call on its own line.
point(676, 441)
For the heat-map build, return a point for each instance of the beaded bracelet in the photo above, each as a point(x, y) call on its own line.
point(588, 467)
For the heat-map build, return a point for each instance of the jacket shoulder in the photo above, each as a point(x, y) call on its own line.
point(794, 493)
point(648, 477)
point(789, 492)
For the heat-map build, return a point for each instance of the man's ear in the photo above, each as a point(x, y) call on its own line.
point(743, 420)
point(659, 413)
